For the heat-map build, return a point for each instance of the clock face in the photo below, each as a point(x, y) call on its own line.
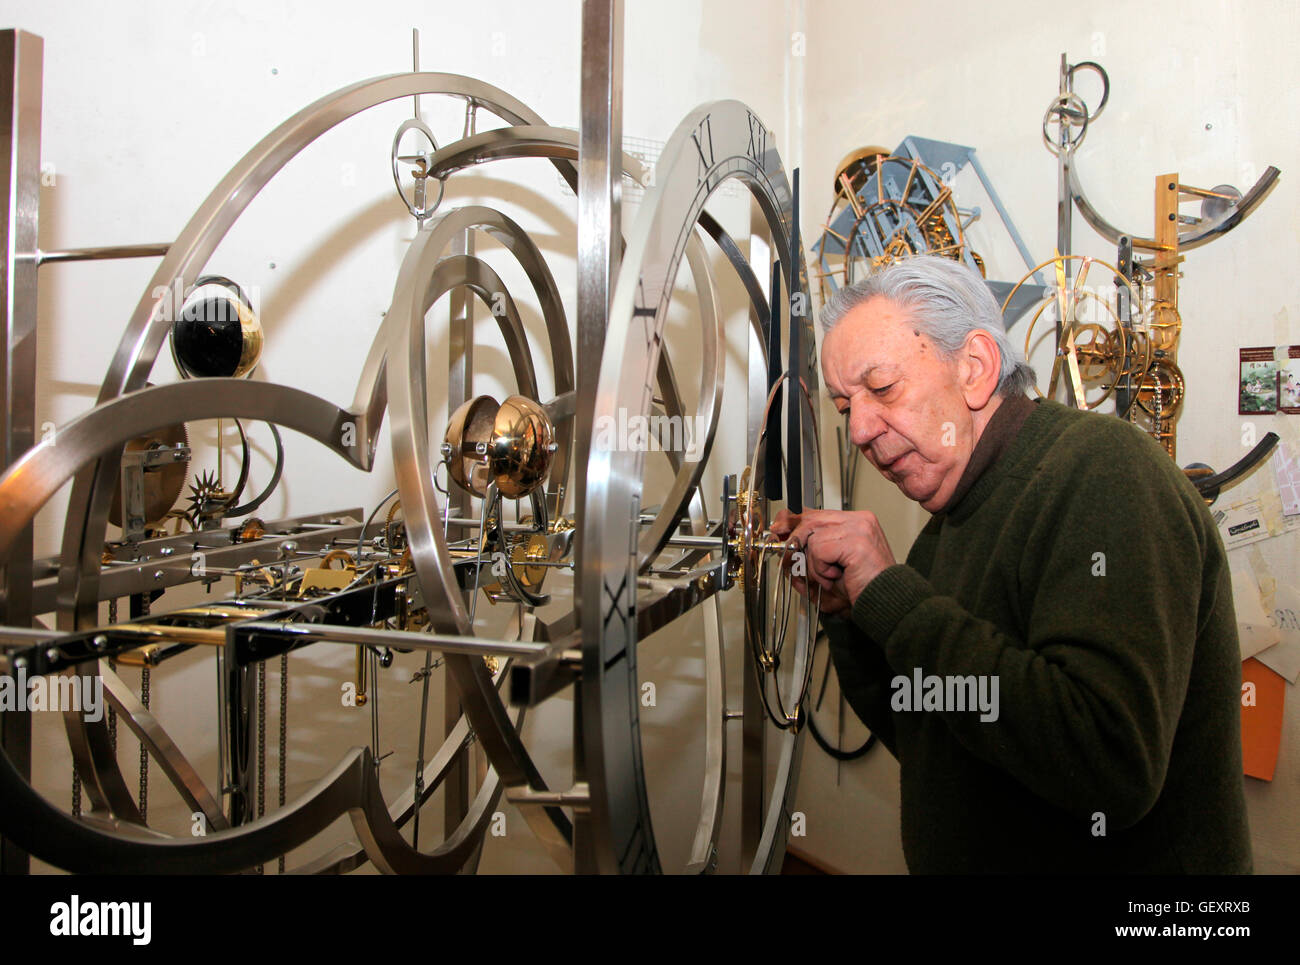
point(715, 143)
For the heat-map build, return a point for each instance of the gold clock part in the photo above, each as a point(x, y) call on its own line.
point(511, 444)
point(163, 484)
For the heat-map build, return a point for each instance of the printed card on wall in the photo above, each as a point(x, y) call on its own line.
point(1288, 383)
point(1257, 385)
point(1241, 523)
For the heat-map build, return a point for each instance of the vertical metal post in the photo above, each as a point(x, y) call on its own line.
point(1064, 205)
point(600, 173)
point(460, 379)
point(1165, 263)
point(21, 66)
point(1064, 201)
point(753, 722)
point(1124, 309)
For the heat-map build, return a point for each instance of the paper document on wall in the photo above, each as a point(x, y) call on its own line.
point(1242, 523)
point(1254, 631)
point(1286, 470)
point(1284, 656)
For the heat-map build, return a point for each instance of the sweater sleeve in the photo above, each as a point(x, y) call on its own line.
point(1110, 588)
point(864, 677)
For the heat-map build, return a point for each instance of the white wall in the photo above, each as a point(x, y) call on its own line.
point(1204, 89)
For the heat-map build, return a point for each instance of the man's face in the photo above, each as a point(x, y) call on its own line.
point(907, 411)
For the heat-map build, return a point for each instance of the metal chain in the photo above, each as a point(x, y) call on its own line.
point(261, 739)
point(261, 746)
point(144, 751)
point(144, 699)
point(112, 665)
point(112, 725)
point(1157, 397)
point(284, 733)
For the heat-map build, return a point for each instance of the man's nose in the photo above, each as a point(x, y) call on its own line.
point(865, 423)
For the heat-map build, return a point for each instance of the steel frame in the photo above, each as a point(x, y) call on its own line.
point(545, 657)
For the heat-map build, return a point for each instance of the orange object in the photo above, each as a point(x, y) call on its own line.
point(1261, 718)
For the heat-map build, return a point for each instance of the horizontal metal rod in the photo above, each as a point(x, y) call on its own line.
point(163, 554)
point(1189, 192)
point(696, 542)
point(508, 527)
point(470, 646)
point(16, 638)
point(212, 636)
point(102, 253)
point(715, 543)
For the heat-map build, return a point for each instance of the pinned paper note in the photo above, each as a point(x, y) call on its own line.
point(1263, 694)
point(1286, 470)
point(1284, 616)
point(1254, 630)
point(1242, 523)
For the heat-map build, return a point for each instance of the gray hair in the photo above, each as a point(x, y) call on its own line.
point(949, 300)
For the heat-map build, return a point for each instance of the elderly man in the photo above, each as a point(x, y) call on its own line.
point(1056, 665)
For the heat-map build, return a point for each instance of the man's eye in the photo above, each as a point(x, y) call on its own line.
point(841, 406)
point(883, 389)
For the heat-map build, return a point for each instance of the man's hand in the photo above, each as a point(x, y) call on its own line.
point(844, 551)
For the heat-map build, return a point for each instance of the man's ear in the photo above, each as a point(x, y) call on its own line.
point(980, 365)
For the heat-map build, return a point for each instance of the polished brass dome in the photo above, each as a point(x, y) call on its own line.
point(522, 447)
point(511, 444)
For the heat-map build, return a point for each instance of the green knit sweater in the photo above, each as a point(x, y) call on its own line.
point(1083, 571)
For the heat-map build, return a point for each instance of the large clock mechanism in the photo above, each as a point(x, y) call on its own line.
point(523, 553)
point(1114, 328)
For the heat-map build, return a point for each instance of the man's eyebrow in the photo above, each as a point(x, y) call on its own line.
point(866, 371)
point(860, 378)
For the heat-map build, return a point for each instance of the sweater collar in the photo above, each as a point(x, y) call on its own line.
point(977, 481)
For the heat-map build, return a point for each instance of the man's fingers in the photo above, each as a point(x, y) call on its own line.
point(825, 574)
point(785, 523)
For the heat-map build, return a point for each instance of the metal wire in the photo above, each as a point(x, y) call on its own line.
point(372, 664)
point(419, 761)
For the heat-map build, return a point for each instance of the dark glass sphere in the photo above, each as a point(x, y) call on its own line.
point(216, 335)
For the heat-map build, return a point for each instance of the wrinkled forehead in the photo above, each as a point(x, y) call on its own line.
point(875, 337)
